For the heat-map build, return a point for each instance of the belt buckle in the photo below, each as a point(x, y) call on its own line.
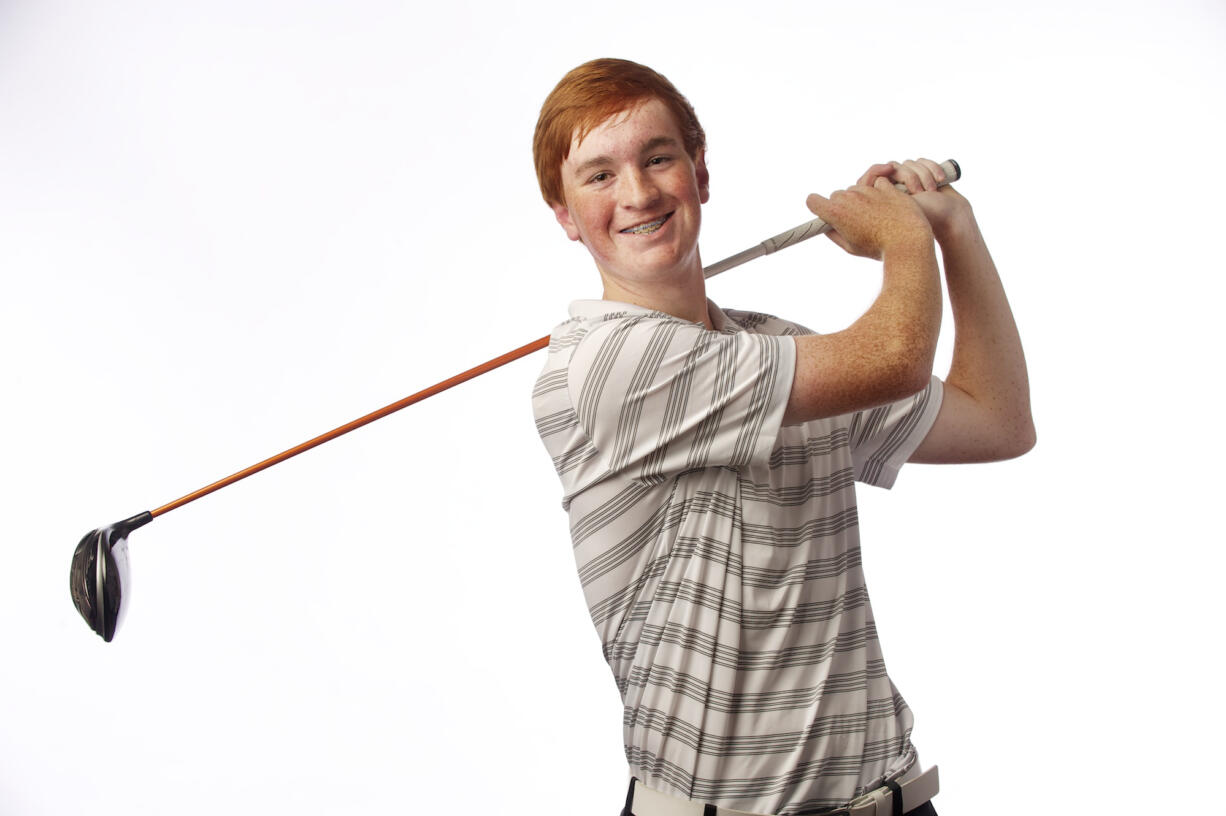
point(876, 802)
point(872, 803)
point(923, 787)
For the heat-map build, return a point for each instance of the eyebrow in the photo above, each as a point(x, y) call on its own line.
point(652, 144)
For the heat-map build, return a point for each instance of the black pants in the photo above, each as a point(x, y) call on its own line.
point(925, 809)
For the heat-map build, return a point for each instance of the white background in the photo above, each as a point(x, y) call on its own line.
point(226, 227)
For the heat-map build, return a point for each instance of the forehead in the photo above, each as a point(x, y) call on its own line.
point(626, 130)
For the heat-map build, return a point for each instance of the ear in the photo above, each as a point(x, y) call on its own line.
point(704, 177)
point(562, 213)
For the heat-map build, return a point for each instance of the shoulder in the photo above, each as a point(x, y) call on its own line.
point(596, 336)
point(595, 325)
point(762, 323)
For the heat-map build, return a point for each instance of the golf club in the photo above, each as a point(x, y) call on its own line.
point(99, 577)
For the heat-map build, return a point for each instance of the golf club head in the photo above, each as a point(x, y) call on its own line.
point(99, 580)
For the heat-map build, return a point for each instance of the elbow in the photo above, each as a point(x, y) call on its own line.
point(1020, 440)
point(920, 376)
point(912, 368)
point(902, 382)
point(1024, 436)
point(898, 376)
point(1027, 438)
point(914, 353)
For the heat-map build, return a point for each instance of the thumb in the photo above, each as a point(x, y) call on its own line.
point(818, 205)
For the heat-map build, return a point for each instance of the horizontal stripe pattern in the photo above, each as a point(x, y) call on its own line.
point(718, 552)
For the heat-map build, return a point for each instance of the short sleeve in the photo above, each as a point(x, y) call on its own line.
point(658, 396)
point(883, 438)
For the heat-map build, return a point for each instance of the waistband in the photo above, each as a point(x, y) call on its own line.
point(891, 799)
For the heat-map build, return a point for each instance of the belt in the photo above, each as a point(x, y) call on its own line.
point(891, 799)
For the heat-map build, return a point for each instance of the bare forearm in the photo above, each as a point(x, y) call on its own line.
point(886, 354)
point(988, 363)
point(907, 313)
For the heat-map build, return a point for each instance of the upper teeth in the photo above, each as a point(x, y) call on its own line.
point(650, 226)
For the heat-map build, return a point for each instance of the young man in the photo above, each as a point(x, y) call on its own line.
point(708, 458)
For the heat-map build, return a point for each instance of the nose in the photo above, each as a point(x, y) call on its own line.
point(639, 192)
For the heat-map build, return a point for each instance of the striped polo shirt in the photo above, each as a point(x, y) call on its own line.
point(719, 554)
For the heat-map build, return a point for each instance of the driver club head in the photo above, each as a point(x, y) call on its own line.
point(99, 579)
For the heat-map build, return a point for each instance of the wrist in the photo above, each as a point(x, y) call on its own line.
point(916, 242)
point(960, 226)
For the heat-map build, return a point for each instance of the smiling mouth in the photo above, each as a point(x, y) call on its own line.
point(648, 227)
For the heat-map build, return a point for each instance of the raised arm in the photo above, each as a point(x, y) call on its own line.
point(887, 354)
point(985, 413)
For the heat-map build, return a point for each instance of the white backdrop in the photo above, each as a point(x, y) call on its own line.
point(226, 227)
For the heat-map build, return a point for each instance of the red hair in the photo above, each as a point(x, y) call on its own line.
point(592, 93)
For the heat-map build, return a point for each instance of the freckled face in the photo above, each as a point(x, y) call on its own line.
point(633, 197)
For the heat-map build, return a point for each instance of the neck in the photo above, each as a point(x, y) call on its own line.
point(685, 298)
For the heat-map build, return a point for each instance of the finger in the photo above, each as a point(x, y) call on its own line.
point(833, 235)
point(938, 172)
point(907, 176)
point(852, 249)
point(873, 173)
point(823, 209)
point(923, 172)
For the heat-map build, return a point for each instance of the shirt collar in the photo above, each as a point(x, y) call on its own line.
point(596, 309)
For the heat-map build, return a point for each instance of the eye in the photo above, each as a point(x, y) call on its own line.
point(658, 160)
point(599, 177)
